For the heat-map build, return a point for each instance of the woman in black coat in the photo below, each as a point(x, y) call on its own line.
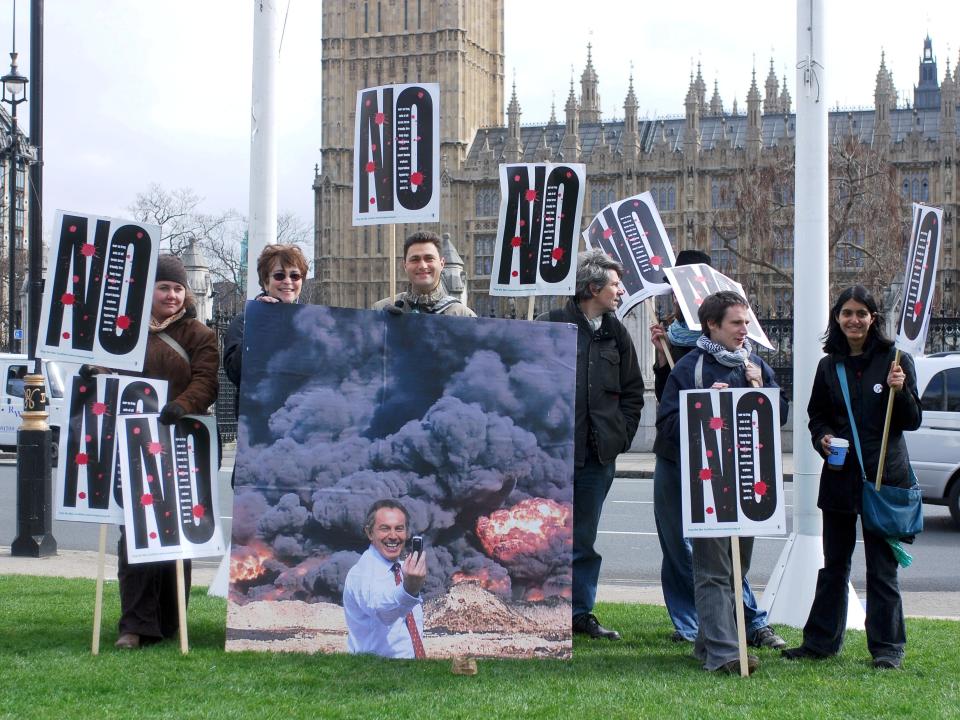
point(855, 339)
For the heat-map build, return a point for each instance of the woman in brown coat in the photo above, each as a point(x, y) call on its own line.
point(182, 351)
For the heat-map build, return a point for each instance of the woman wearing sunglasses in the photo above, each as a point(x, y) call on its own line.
point(281, 269)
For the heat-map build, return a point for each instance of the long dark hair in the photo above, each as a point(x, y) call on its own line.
point(835, 342)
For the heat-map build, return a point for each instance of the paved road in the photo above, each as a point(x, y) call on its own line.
point(628, 542)
point(82, 535)
point(631, 551)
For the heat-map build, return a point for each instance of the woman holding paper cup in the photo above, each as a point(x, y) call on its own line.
point(857, 346)
point(182, 351)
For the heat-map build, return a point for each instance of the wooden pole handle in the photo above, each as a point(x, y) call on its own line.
point(886, 430)
point(738, 601)
point(98, 602)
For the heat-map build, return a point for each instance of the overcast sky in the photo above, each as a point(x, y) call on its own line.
point(141, 91)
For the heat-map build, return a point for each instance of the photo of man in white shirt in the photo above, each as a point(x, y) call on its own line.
point(381, 596)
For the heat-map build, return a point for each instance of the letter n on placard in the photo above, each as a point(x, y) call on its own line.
point(96, 300)
point(732, 479)
point(168, 478)
point(88, 479)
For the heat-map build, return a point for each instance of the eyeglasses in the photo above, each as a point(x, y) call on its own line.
point(280, 277)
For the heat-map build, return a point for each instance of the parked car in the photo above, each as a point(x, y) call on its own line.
point(935, 446)
point(13, 370)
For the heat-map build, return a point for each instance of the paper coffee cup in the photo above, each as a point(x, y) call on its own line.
point(838, 453)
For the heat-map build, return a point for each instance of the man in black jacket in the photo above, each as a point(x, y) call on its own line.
point(609, 399)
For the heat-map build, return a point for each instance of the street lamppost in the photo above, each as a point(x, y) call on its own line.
point(34, 513)
point(14, 93)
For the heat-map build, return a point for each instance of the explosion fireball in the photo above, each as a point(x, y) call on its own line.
point(532, 528)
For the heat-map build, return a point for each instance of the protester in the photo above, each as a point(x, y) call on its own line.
point(676, 569)
point(722, 359)
point(182, 351)
point(609, 400)
point(281, 270)
point(423, 263)
point(855, 340)
point(381, 595)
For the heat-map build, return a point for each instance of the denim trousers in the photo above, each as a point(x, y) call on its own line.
point(591, 483)
point(676, 569)
point(716, 642)
point(825, 627)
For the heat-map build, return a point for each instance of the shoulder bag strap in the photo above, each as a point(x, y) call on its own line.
point(842, 375)
point(177, 347)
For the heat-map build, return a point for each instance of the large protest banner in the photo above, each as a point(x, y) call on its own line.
point(631, 232)
point(692, 284)
point(98, 291)
point(468, 423)
point(919, 279)
point(87, 487)
point(396, 155)
point(538, 229)
point(168, 474)
point(731, 472)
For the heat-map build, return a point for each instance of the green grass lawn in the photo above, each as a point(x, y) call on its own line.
point(48, 672)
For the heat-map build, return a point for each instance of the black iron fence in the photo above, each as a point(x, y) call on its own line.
point(226, 406)
point(780, 331)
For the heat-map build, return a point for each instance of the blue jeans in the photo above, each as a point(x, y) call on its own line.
point(591, 483)
point(676, 570)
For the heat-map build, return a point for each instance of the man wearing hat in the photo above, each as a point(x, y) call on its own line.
point(676, 569)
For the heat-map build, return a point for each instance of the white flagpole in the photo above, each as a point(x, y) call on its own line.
point(789, 593)
point(263, 137)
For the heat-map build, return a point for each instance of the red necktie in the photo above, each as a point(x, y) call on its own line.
point(411, 623)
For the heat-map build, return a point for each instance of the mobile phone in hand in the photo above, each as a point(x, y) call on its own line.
point(416, 544)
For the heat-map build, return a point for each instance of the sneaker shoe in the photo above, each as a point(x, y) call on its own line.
point(733, 667)
point(887, 663)
point(678, 637)
point(765, 637)
point(587, 624)
point(801, 653)
point(128, 641)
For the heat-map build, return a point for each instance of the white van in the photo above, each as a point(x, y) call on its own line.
point(935, 446)
point(13, 370)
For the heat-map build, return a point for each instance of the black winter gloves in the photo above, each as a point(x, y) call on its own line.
point(170, 413)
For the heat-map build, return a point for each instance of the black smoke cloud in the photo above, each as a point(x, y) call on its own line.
point(453, 417)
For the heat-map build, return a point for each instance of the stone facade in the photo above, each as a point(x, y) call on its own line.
point(458, 44)
point(689, 163)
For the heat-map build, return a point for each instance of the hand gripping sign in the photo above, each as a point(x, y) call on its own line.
point(87, 481)
point(692, 284)
point(396, 155)
point(731, 472)
point(632, 232)
point(537, 234)
point(98, 294)
point(919, 280)
point(169, 482)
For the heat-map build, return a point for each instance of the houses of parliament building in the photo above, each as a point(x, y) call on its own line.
point(722, 178)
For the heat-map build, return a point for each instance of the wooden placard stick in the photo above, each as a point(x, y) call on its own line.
point(664, 345)
point(98, 603)
point(182, 607)
point(531, 302)
point(738, 601)
point(393, 260)
point(886, 428)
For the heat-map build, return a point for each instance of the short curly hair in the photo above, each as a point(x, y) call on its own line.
point(288, 255)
